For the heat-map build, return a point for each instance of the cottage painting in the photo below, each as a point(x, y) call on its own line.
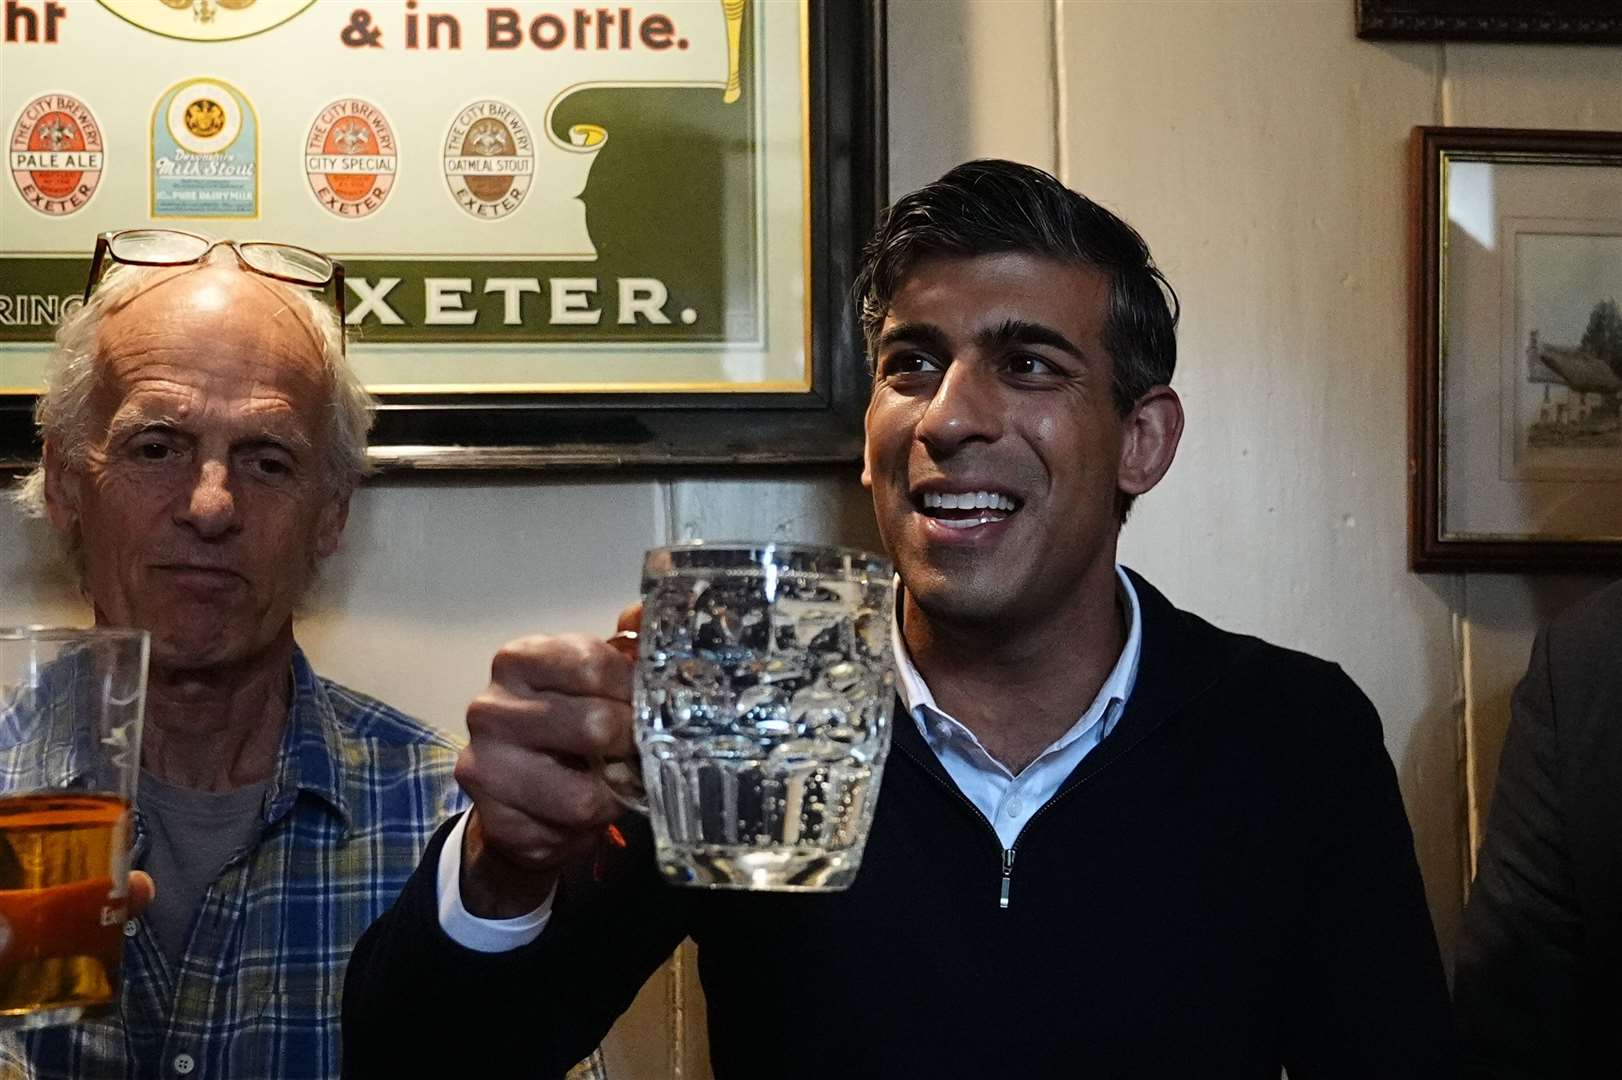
point(1568, 320)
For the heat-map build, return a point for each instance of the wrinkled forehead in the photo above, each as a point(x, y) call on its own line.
point(207, 298)
point(213, 331)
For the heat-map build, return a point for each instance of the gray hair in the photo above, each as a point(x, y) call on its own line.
point(63, 413)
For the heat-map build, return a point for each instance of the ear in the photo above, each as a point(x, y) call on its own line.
point(1151, 432)
point(329, 529)
point(61, 492)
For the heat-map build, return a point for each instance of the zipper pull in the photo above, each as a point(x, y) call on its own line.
point(1007, 875)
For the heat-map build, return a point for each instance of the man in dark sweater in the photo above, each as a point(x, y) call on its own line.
point(1111, 840)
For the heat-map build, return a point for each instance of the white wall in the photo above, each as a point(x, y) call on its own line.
point(1260, 148)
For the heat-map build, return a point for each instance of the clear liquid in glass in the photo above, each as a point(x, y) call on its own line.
point(763, 704)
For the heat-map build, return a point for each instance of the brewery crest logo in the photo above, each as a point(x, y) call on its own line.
point(207, 20)
point(350, 158)
point(489, 159)
point(205, 152)
point(56, 154)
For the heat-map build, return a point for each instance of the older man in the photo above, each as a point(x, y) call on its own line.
point(203, 434)
point(1111, 840)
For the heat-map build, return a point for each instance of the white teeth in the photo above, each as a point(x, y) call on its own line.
point(967, 500)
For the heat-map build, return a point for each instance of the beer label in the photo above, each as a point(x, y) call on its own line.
point(205, 152)
point(489, 159)
point(350, 158)
point(56, 154)
point(206, 20)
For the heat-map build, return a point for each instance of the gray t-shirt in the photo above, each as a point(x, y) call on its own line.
point(191, 834)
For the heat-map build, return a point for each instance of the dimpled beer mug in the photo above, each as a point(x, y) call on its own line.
point(764, 686)
point(70, 749)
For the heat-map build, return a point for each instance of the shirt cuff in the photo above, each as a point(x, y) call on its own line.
point(467, 929)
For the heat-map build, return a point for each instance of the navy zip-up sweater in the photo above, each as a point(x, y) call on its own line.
point(1225, 886)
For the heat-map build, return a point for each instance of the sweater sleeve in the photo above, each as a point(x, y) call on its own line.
point(1367, 994)
point(417, 1003)
point(1518, 948)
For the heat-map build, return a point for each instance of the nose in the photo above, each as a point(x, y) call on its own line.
point(211, 506)
point(966, 407)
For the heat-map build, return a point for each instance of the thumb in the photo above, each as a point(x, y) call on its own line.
point(142, 890)
point(630, 618)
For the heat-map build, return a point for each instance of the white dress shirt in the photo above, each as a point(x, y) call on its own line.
point(466, 928)
point(1007, 801)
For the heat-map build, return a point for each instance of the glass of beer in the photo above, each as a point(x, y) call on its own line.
point(764, 687)
point(70, 749)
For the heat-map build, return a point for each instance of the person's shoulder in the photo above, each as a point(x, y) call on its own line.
point(364, 717)
point(1300, 712)
point(1292, 672)
point(1573, 663)
point(1295, 691)
point(399, 769)
point(1229, 657)
point(1278, 701)
point(1595, 618)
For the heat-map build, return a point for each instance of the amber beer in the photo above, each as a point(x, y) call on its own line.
point(61, 913)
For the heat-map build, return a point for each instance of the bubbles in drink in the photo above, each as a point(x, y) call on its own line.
point(763, 697)
point(763, 710)
point(817, 707)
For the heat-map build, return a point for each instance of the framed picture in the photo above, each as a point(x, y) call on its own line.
point(574, 236)
point(1579, 21)
point(1516, 434)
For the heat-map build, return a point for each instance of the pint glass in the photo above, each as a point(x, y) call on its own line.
point(70, 748)
point(764, 687)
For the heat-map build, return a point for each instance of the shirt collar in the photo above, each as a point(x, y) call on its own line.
point(310, 757)
point(1115, 691)
point(311, 754)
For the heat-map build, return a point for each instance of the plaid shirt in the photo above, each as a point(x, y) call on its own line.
point(358, 790)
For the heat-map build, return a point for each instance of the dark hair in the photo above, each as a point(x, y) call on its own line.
point(991, 206)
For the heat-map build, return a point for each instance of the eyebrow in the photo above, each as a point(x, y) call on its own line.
point(1022, 332)
point(926, 334)
point(1008, 332)
point(280, 440)
point(123, 428)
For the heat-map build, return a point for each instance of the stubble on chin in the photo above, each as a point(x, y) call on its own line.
point(960, 592)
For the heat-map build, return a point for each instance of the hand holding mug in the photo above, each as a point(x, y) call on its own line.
point(554, 707)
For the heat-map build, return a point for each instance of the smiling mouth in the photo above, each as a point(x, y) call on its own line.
point(967, 509)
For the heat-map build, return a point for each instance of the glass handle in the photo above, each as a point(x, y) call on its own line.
point(624, 776)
